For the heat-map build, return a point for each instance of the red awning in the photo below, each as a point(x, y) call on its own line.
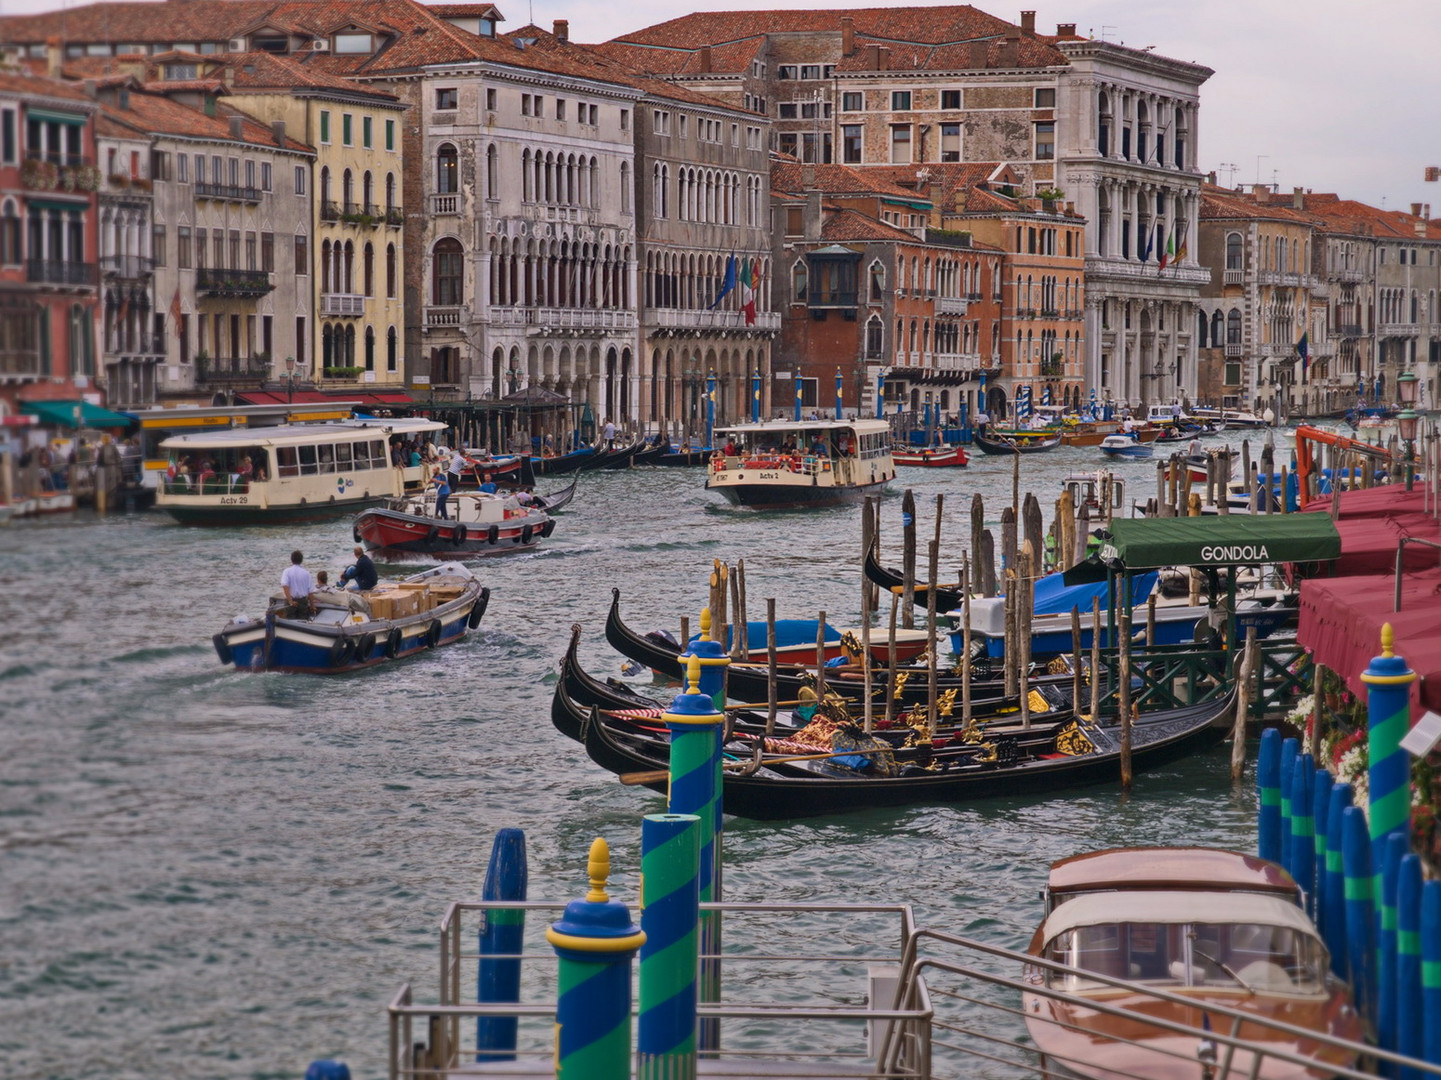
point(1372, 522)
point(319, 397)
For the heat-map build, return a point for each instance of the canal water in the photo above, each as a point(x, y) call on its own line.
point(212, 874)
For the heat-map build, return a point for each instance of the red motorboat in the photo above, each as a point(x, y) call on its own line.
point(935, 457)
point(479, 524)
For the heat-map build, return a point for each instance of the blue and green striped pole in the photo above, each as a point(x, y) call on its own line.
point(1431, 971)
point(1321, 783)
point(1396, 845)
point(1360, 911)
point(1335, 927)
point(595, 942)
point(1290, 749)
point(695, 725)
point(502, 934)
point(1303, 835)
point(1388, 706)
point(669, 959)
point(1408, 961)
point(1268, 783)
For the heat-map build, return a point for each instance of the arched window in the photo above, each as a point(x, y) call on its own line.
point(1218, 329)
point(447, 170)
point(367, 193)
point(324, 185)
point(390, 271)
point(325, 266)
point(1233, 327)
point(390, 192)
point(1233, 251)
point(875, 335)
point(391, 351)
point(625, 187)
point(1201, 327)
point(492, 175)
point(347, 190)
point(798, 282)
point(878, 282)
point(448, 273)
point(348, 277)
point(368, 275)
point(370, 348)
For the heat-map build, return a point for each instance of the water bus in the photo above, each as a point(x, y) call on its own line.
point(291, 472)
point(790, 463)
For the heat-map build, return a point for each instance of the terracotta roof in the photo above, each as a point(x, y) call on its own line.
point(157, 114)
point(1348, 216)
point(466, 11)
point(12, 82)
point(791, 176)
point(265, 71)
point(1220, 204)
point(196, 86)
point(841, 225)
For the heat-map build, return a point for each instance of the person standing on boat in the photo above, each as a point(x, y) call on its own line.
point(442, 492)
point(296, 583)
point(458, 462)
point(609, 433)
point(361, 576)
point(1194, 450)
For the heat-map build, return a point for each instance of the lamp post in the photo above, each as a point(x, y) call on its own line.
point(1406, 420)
point(289, 380)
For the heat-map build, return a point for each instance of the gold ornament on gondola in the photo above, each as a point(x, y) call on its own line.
point(1073, 741)
point(901, 679)
point(946, 703)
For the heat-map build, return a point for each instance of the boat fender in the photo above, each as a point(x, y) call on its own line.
point(365, 646)
point(342, 652)
point(477, 611)
point(527, 534)
point(432, 634)
point(392, 642)
point(548, 527)
point(434, 532)
point(492, 534)
point(332, 499)
point(355, 533)
point(222, 649)
point(460, 535)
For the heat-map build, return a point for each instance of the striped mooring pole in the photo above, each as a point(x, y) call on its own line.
point(1321, 784)
point(1303, 836)
point(1408, 961)
point(1388, 681)
point(1290, 749)
point(1386, 949)
point(670, 957)
point(1268, 783)
point(1360, 911)
point(1335, 925)
point(595, 942)
point(502, 940)
point(695, 725)
point(1431, 970)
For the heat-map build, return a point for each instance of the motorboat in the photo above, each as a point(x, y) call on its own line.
point(785, 463)
point(478, 523)
point(933, 457)
point(1125, 446)
point(1203, 939)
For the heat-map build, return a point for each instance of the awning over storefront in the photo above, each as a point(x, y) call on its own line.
point(317, 397)
point(1373, 522)
point(1222, 540)
point(62, 414)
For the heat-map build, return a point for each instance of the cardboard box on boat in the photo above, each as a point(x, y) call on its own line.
point(393, 603)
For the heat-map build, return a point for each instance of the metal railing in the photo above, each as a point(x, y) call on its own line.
point(217, 282)
point(129, 267)
point(329, 210)
point(59, 272)
point(227, 192)
point(20, 363)
point(342, 304)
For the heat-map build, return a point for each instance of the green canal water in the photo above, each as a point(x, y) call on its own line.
point(212, 874)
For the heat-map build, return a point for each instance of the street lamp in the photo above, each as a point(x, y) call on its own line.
point(1406, 420)
point(289, 379)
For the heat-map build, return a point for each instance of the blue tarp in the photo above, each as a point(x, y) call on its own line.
point(789, 632)
point(1054, 596)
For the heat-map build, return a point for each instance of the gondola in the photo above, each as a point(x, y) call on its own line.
point(749, 682)
point(1009, 764)
point(1016, 443)
point(674, 458)
point(557, 500)
point(618, 457)
point(565, 463)
point(948, 597)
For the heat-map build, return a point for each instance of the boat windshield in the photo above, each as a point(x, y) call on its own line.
point(1245, 956)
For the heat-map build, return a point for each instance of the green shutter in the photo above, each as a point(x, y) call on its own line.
point(365, 132)
point(324, 125)
point(390, 134)
point(345, 136)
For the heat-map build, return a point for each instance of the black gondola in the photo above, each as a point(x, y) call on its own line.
point(683, 458)
point(1016, 444)
point(619, 457)
point(948, 597)
point(1026, 764)
point(565, 463)
point(557, 500)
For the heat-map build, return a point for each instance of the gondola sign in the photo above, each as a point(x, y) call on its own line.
point(1223, 540)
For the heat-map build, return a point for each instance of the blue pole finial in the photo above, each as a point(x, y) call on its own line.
point(710, 409)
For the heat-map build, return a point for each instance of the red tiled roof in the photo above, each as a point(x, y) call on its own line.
point(265, 71)
point(12, 82)
point(791, 177)
point(157, 114)
point(1220, 204)
point(841, 225)
point(466, 11)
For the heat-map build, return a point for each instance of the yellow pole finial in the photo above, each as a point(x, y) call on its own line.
point(598, 869)
point(1388, 639)
point(705, 622)
point(692, 675)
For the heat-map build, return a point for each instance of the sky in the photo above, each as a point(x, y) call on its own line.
point(1329, 95)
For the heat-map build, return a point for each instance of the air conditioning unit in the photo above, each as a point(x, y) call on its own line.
point(237, 44)
point(320, 44)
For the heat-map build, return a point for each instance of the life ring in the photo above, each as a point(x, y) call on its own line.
point(432, 634)
point(459, 535)
point(548, 527)
point(392, 642)
point(355, 533)
point(222, 649)
point(342, 652)
point(364, 646)
point(527, 534)
point(492, 534)
point(432, 534)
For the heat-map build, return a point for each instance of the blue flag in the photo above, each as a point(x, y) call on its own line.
point(728, 284)
point(1304, 348)
point(1146, 251)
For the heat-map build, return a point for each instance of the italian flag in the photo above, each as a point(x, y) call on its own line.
point(750, 282)
point(1169, 254)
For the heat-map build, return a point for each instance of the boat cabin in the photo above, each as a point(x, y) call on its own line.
point(793, 462)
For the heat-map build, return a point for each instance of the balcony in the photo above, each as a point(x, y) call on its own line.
point(348, 304)
point(951, 305)
point(227, 192)
point(834, 298)
point(127, 267)
point(956, 361)
point(233, 283)
point(538, 320)
point(56, 272)
point(444, 316)
point(445, 204)
point(329, 211)
point(1233, 277)
point(1349, 276)
point(394, 217)
point(1233, 349)
point(1108, 268)
point(145, 346)
point(20, 364)
point(1050, 313)
point(230, 370)
point(1351, 330)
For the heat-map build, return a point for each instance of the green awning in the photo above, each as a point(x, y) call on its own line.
point(1220, 540)
point(51, 117)
point(62, 414)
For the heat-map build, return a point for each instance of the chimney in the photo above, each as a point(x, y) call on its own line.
point(979, 50)
point(1261, 193)
point(1028, 22)
point(54, 57)
point(878, 58)
point(1298, 198)
point(1011, 52)
point(705, 60)
point(277, 128)
point(812, 218)
point(1416, 209)
point(237, 127)
point(808, 176)
point(848, 35)
point(1211, 178)
point(1066, 29)
point(561, 29)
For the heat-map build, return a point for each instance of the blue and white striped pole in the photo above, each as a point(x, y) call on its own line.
point(669, 959)
point(1268, 783)
point(1303, 843)
point(1290, 748)
point(502, 934)
point(1396, 845)
point(1388, 706)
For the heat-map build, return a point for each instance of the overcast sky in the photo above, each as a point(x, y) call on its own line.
point(1331, 95)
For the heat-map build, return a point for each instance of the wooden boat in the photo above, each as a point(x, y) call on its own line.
point(351, 630)
point(557, 500)
point(783, 463)
point(1009, 761)
point(684, 458)
point(947, 596)
point(1223, 935)
point(796, 642)
point(619, 457)
point(1017, 442)
point(565, 463)
point(1124, 446)
point(932, 457)
point(298, 472)
point(480, 523)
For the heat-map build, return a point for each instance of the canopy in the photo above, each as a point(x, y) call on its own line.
point(1373, 521)
point(315, 397)
point(1154, 906)
point(536, 395)
point(62, 414)
point(1222, 540)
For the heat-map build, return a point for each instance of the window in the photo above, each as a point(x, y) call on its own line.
point(302, 255)
point(447, 170)
point(1045, 141)
point(1233, 251)
point(851, 144)
point(594, 114)
point(1045, 97)
point(901, 100)
point(625, 119)
point(490, 97)
point(390, 349)
point(950, 99)
point(787, 143)
point(795, 220)
point(390, 134)
point(300, 179)
point(900, 144)
point(560, 108)
point(786, 71)
point(448, 273)
point(874, 339)
point(250, 172)
point(182, 247)
point(324, 127)
point(347, 137)
point(799, 281)
point(661, 122)
point(9, 137)
point(447, 97)
point(852, 101)
point(810, 71)
point(950, 142)
point(365, 136)
point(251, 250)
point(267, 251)
point(157, 244)
point(351, 44)
point(537, 105)
point(265, 181)
point(182, 169)
point(786, 110)
point(390, 271)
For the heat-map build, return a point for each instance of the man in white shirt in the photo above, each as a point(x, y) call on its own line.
point(609, 433)
point(458, 462)
point(298, 587)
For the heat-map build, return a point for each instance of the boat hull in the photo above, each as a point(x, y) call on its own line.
point(381, 529)
point(945, 457)
point(237, 513)
point(772, 496)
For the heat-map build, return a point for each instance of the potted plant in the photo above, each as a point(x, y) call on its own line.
point(1049, 196)
point(202, 364)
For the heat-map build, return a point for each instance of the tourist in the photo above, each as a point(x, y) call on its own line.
point(360, 576)
point(442, 492)
point(296, 583)
point(1194, 450)
point(609, 433)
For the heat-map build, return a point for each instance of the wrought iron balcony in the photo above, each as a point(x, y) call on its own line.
point(127, 267)
point(20, 364)
point(227, 192)
point(58, 272)
point(394, 216)
point(329, 211)
point(233, 283)
point(230, 370)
